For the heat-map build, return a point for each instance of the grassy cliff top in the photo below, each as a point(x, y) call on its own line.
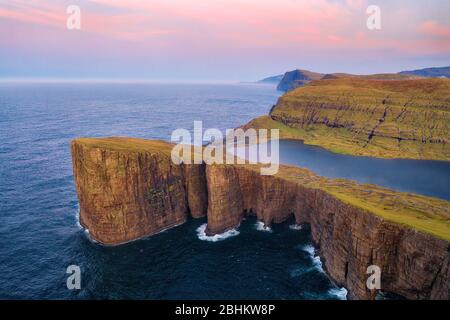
point(422, 213)
point(425, 214)
point(365, 117)
point(378, 76)
point(126, 144)
point(421, 93)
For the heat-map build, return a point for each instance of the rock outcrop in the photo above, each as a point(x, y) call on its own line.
point(126, 194)
point(129, 189)
point(297, 78)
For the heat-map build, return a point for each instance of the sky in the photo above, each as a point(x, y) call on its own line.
point(218, 40)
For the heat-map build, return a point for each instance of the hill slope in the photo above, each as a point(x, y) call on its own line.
point(381, 118)
point(297, 78)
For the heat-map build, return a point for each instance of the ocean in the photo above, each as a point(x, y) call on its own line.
point(39, 231)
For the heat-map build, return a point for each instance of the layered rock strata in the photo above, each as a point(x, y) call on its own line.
point(129, 189)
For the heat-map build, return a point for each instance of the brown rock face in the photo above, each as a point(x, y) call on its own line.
point(195, 183)
point(224, 199)
point(128, 194)
point(351, 240)
point(414, 265)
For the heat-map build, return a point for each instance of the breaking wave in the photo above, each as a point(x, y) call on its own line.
point(340, 293)
point(309, 248)
point(296, 226)
point(201, 234)
point(260, 226)
point(77, 217)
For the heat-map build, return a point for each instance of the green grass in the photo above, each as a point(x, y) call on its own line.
point(378, 118)
point(127, 144)
point(426, 214)
point(418, 219)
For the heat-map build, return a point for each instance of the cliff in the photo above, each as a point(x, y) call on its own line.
point(297, 78)
point(380, 118)
point(129, 188)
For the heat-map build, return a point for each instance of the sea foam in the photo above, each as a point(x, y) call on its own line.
point(340, 293)
point(77, 217)
point(309, 248)
point(201, 234)
point(296, 226)
point(260, 226)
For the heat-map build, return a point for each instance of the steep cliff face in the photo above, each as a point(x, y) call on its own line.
point(128, 194)
point(350, 240)
point(195, 183)
point(297, 78)
point(129, 188)
point(414, 265)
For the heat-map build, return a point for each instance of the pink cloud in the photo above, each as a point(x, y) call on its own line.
point(434, 29)
point(221, 28)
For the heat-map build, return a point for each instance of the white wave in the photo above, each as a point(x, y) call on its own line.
point(201, 234)
point(296, 226)
point(309, 248)
point(340, 293)
point(318, 264)
point(260, 226)
point(77, 218)
point(88, 236)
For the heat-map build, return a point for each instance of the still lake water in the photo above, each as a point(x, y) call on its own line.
point(39, 235)
point(430, 178)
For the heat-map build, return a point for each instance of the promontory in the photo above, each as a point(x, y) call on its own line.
point(129, 188)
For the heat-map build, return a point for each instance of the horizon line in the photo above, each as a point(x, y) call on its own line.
point(116, 80)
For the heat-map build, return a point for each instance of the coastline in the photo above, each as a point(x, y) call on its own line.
point(390, 119)
point(332, 144)
point(349, 234)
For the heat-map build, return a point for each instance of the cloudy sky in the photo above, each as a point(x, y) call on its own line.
point(229, 40)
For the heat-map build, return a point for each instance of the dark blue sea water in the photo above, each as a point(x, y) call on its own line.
point(39, 234)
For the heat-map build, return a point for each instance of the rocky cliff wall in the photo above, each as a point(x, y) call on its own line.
point(125, 195)
point(403, 110)
point(414, 265)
